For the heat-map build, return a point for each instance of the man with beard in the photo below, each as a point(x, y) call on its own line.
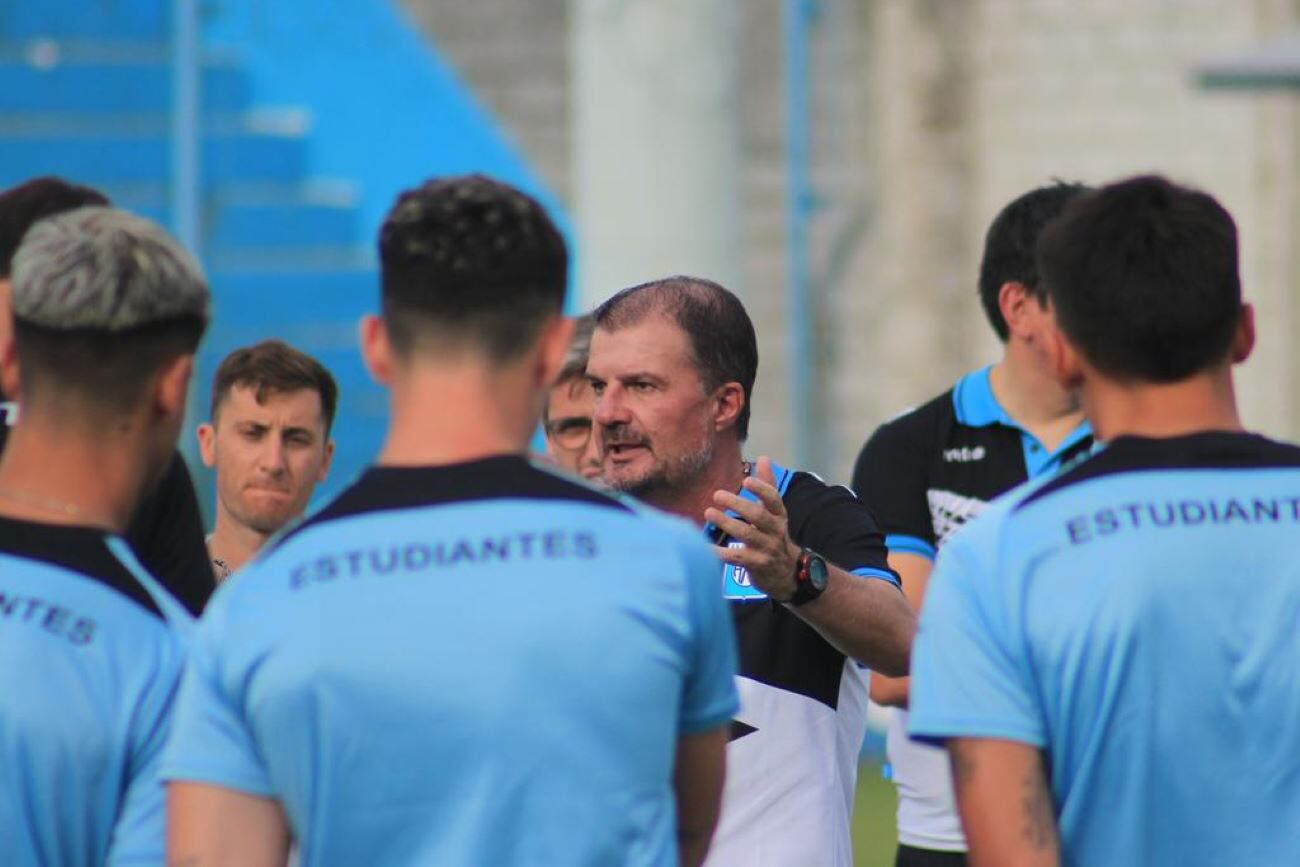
point(673, 364)
point(466, 657)
point(167, 532)
point(269, 442)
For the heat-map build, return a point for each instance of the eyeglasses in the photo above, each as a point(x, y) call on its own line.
point(569, 433)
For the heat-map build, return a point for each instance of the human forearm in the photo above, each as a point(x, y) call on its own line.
point(1005, 803)
point(864, 618)
point(698, 775)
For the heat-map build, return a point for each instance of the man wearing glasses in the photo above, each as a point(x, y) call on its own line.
point(568, 410)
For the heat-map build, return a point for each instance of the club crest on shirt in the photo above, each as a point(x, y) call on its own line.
point(736, 583)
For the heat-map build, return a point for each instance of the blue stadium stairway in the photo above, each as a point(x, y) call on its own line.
point(293, 183)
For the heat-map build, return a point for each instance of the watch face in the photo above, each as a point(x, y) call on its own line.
point(817, 576)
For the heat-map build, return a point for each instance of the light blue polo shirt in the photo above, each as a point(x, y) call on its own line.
point(1136, 620)
point(478, 664)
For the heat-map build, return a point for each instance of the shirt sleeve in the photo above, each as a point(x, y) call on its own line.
point(139, 832)
point(166, 533)
point(970, 675)
point(211, 741)
point(890, 477)
point(837, 525)
point(709, 695)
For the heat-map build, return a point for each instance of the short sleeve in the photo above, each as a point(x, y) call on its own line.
point(211, 741)
point(139, 831)
point(890, 477)
point(166, 533)
point(837, 525)
point(969, 674)
point(709, 696)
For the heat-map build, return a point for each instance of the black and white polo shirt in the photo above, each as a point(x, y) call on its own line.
point(793, 757)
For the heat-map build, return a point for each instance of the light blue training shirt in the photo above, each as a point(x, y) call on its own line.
point(478, 664)
point(1137, 618)
point(91, 652)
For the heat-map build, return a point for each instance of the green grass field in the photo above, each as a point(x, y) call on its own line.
point(874, 834)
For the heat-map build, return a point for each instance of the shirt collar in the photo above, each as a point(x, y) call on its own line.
point(974, 402)
point(977, 406)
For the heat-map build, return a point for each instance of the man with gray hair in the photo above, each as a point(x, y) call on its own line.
point(567, 417)
point(107, 313)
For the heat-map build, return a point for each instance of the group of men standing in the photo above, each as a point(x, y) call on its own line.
point(471, 657)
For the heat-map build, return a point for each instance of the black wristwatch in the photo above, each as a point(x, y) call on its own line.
point(810, 577)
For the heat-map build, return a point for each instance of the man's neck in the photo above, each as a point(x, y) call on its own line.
point(1202, 403)
point(1033, 398)
point(725, 472)
point(57, 473)
point(233, 543)
point(457, 414)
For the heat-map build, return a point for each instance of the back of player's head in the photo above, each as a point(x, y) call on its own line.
point(274, 367)
point(1010, 243)
point(1142, 275)
point(101, 299)
point(23, 205)
point(719, 330)
point(469, 261)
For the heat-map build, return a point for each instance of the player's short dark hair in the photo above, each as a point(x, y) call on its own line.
point(469, 259)
point(1009, 246)
point(1142, 275)
point(274, 367)
point(720, 332)
point(23, 205)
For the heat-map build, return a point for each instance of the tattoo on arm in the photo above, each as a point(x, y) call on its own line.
point(1039, 828)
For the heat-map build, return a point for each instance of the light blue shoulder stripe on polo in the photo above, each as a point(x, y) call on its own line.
point(904, 544)
point(869, 572)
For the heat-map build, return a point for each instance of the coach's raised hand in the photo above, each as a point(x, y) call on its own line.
point(769, 555)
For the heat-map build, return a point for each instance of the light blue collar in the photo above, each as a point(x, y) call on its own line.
point(976, 406)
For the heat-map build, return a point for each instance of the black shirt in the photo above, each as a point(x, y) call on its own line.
point(929, 471)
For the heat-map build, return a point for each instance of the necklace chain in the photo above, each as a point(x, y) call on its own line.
point(48, 503)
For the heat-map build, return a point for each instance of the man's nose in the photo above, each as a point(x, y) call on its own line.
point(610, 409)
point(272, 456)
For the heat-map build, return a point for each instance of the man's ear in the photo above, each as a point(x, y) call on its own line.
point(1064, 361)
point(207, 436)
point(1014, 299)
point(377, 348)
point(172, 386)
point(329, 460)
point(1243, 340)
point(730, 398)
point(553, 346)
point(10, 382)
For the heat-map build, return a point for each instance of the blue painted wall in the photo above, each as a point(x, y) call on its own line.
point(317, 113)
point(386, 110)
